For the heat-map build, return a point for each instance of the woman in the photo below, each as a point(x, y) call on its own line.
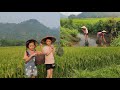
point(101, 37)
point(85, 31)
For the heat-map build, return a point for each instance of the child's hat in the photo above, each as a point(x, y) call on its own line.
point(53, 39)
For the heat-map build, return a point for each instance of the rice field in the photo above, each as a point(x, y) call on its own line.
point(90, 20)
point(77, 62)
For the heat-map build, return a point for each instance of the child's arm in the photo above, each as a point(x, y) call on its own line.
point(52, 50)
point(26, 58)
point(49, 52)
point(44, 51)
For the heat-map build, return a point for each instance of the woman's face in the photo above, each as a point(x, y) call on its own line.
point(31, 46)
point(103, 33)
point(48, 42)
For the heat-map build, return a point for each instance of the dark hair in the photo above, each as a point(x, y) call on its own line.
point(28, 42)
point(31, 41)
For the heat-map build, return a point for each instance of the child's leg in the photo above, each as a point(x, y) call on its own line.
point(51, 73)
point(48, 73)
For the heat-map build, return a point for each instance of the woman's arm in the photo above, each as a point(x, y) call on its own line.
point(83, 31)
point(101, 38)
point(104, 39)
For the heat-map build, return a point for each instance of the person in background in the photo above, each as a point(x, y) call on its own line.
point(101, 37)
point(85, 31)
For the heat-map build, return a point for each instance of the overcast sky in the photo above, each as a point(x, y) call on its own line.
point(69, 13)
point(49, 19)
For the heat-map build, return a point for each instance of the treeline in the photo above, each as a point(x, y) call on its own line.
point(4, 42)
point(95, 15)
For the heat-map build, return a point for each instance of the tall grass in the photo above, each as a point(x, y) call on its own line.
point(76, 62)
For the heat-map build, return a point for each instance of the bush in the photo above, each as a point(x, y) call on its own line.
point(68, 36)
point(116, 42)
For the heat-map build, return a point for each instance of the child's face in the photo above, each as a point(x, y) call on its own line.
point(31, 46)
point(48, 42)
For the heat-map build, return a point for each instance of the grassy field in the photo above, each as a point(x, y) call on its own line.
point(90, 20)
point(77, 62)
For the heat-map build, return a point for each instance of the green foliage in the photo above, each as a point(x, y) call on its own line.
point(99, 26)
point(112, 71)
point(4, 42)
point(67, 24)
point(94, 24)
point(97, 15)
point(116, 42)
point(68, 36)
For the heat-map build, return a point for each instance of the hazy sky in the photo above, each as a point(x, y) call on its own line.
point(49, 19)
point(68, 13)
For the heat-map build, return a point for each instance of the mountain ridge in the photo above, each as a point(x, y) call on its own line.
point(96, 15)
point(25, 30)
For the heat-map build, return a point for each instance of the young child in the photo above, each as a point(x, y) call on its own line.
point(29, 57)
point(49, 51)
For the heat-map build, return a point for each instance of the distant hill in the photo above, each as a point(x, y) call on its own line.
point(63, 16)
point(96, 15)
point(72, 16)
point(26, 30)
